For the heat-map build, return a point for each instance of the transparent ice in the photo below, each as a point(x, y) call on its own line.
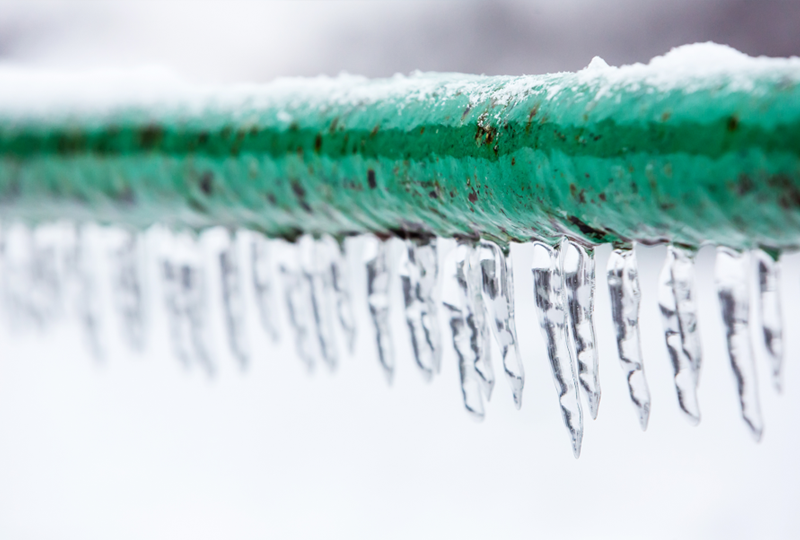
point(498, 291)
point(458, 299)
point(233, 301)
point(341, 289)
point(732, 279)
point(623, 287)
point(548, 293)
point(676, 298)
point(297, 290)
point(419, 273)
point(769, 307)
point(264, 284)
point(577, 266)
point(33, 275)
point(316, 263)
point(378, 294)
point(127, 287)
point(185, 298)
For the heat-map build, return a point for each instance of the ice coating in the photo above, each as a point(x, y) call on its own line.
point(297, 291)
point(577, 267)
point(497, 283)
point(732, 279)
point(341, 289)
point(127, 288)
point(316, 267)
point(263, 284)
point(378, 295)
point(676, 299)
point(548, 293)
point(184, 287)
point(468, 340)
point(233, 302)
point(769, 308)
point(623, 287)
point(419, 273)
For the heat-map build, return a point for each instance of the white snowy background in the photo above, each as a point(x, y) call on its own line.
point(139, 447)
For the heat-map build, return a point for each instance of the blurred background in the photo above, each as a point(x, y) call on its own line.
point(258, 41)
point(139, 447)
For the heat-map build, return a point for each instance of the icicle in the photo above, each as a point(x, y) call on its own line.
point(731, 273)
point(623, 286)
point(769, 304)
point(498, 288)
point(262, 275)
point(468, 340)
point(83, 272)
point(185, 298)
point(32, 277)
point(127, 289)
point(378, 281)
point(341, 290)
point(548, 295)
point(298, 302)
point(679, 317)
point(419, 273)
point(577, 263)
point(316, 265)
point(233, 302)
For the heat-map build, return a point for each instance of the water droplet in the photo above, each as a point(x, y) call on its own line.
point(419, 274)
point(577, 263)
point(623, 286)
point(498, 290)
point(731, 273)
point(769, 307)
point(233, 301)
point(263, 284)
point(676, 299)
point(548, 283)
point(378, 281)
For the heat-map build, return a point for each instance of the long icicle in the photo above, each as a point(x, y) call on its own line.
point(419, 273)
point(769, 307)
point(264, 284)
point(127, 288)
point(480, 314)
point(732, 279)
point(233, 301)
point(378, 298)
point(548, 295)
point(316, 268)
point(498, 289)
point(577, 267)
point(623, 287)
point(185, 297)
point(297, 291)
point(676, 298)
point(468, 341)
point(341, 289)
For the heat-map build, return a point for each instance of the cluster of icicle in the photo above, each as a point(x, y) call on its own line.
point(475, 289)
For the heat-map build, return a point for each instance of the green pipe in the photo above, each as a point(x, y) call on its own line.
point(668, 152)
